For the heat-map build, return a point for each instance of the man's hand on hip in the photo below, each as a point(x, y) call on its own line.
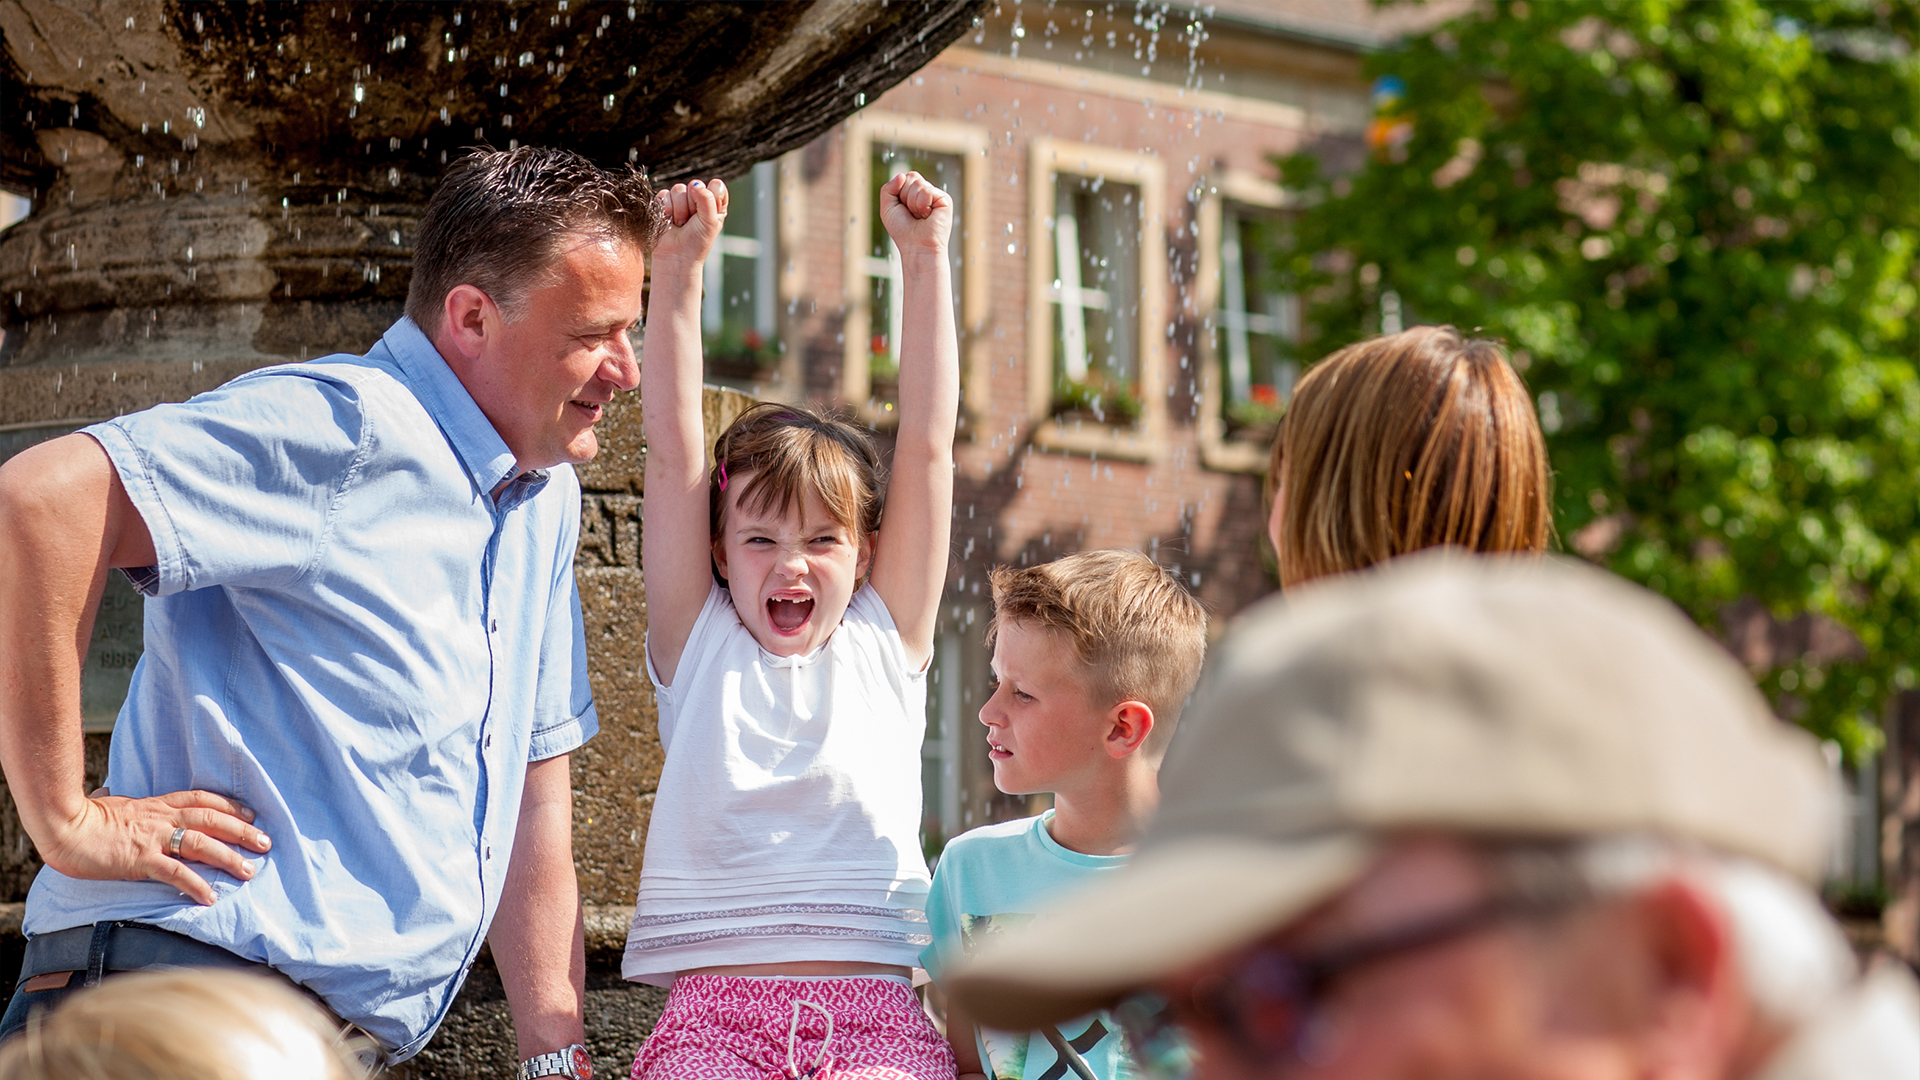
point(119, 839)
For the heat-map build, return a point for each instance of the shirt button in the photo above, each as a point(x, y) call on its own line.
point(489, 742)
point(489, 851)
point(495, 627)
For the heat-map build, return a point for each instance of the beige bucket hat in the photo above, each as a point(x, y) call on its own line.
point(1441, 692)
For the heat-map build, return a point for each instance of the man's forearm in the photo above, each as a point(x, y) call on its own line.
point(64, 521)
point(53, 563)
point(538, 935)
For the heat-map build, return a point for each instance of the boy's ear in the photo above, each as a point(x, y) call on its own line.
point(1128, 725)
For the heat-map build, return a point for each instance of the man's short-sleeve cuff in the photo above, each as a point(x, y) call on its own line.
point(569, 734)
point(169, 572)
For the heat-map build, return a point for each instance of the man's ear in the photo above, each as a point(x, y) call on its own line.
point(1697, 1014)
point(470, 316)
point(1128, 725)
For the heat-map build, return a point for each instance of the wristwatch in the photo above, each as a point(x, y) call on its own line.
point(571, 1062)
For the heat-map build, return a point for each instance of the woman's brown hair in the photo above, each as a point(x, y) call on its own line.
point(781, 452)
point(1413, 440)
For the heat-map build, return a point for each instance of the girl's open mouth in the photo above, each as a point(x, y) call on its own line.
point(788, 616)
point(996, 751)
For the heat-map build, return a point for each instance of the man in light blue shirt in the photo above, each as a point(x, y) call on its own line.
point(344, 754)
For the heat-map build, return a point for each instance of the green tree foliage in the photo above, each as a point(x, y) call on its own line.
point(1695, 223)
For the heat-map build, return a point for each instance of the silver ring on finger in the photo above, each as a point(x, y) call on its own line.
point(173, 842)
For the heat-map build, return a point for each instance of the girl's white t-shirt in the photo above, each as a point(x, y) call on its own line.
point(787, 822)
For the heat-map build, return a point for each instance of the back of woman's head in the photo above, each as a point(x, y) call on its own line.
point(1409, 441)
point(778, 454)
point(183, 1024)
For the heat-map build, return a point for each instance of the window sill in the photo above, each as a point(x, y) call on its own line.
point(1127, 444)
point(1234, 455)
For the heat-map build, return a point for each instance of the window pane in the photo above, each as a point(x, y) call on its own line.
point(1257, 326)
point(1096, 298)
point(883, 266)
point(741, 218)
point(738, 314)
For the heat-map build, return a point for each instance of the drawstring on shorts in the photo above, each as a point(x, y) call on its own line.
point(821, 1063)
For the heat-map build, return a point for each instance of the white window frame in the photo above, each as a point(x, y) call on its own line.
point(1216, 450)
point(1145, 439)
point(971, 144)
point(763, 248)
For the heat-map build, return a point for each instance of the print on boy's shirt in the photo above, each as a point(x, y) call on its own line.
point(1071, 1050)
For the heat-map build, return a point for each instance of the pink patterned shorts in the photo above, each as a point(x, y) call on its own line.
point(728, 1028)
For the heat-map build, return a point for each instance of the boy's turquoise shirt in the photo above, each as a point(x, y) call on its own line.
point(991, 879)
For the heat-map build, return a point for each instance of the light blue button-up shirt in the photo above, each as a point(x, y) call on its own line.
point(349, 633)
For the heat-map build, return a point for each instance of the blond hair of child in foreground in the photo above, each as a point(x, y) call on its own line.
point(184, 1024)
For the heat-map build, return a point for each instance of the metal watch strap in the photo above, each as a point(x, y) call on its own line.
point(571, 1062)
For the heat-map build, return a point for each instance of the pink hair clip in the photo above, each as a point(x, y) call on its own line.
point(723, 475)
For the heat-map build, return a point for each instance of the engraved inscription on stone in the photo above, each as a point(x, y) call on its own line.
point(111, 656)
point(117, 630)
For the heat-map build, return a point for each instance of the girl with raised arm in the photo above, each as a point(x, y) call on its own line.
point(789, 633)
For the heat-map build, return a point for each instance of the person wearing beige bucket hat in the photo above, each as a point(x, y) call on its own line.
point(1474, 817)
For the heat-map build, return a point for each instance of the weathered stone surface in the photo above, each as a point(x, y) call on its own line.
point(97, 391)
point(204, 252)
point(617, 772)
point(354, 93)
point(477, 1039)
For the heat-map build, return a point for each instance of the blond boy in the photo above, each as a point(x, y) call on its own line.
point(1093, 657)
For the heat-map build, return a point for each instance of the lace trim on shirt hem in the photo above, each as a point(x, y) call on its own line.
point(781, 909)
point(674, 941)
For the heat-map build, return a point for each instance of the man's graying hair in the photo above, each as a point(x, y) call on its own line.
point(499, 217)
point(1793, 958)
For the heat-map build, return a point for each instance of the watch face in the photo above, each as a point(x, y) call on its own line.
point(582, 1064)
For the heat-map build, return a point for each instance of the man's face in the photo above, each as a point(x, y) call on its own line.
point(545, 378)
point(1044, 727)
point(1493, 1004)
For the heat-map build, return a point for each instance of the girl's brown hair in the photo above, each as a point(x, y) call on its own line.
point(1413, 440)
point(781, 452)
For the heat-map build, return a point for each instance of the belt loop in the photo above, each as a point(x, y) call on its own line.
point(97, 953)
